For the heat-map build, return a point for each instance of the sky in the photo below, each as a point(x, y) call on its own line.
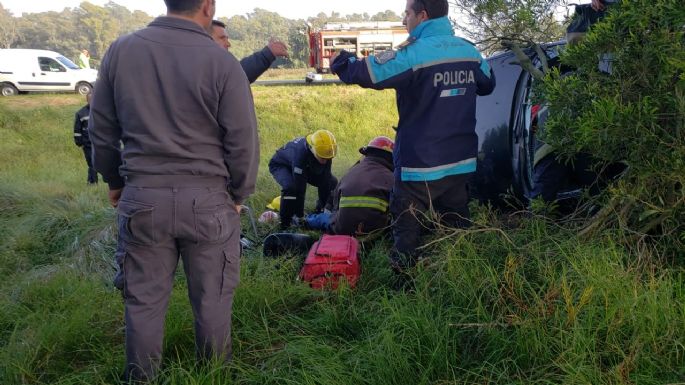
point(292, 9)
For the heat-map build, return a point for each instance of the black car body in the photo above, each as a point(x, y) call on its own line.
point(506, 141)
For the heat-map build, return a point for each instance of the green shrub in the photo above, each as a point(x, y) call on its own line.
point(634, 115)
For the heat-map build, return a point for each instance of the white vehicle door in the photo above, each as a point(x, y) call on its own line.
point(51, 76)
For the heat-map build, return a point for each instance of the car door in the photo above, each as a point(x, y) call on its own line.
point(50, 75)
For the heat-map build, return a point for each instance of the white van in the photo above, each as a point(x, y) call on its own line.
point(38, 70)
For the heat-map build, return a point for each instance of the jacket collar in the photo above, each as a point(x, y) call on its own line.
point(433, 27)
point(178, 23)
point(378, 159)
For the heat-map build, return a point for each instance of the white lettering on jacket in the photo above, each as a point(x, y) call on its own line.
point(451, 78)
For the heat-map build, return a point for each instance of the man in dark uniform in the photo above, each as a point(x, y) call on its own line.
point(361, 199)
point(183, 109)
point(82, 139)
point(551, 175)
point(300, 162)
point(437, 77)
point(257, 63)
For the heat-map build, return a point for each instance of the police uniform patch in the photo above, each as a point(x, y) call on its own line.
point(411, 40)
point(385, 56)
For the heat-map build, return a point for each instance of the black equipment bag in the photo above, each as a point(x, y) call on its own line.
point(275, 245)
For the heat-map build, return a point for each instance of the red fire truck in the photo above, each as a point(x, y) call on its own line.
point(361, 38)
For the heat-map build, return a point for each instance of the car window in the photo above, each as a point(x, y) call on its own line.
point(67, 63)
point(50, 65)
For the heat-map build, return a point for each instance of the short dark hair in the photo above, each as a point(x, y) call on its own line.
point(217, 23)
point(183, 6)
point(434, 8)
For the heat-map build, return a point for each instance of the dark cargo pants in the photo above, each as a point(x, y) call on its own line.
point(88, 154)
point(448, 197)
point(358, 221)
point(551, 175)
point(161, 218)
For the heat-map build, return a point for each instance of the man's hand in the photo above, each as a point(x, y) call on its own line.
point(333, 57)
point(114, 196)
point(238, 208)
point(597, 5)
point(342, 57)
point(278, 48)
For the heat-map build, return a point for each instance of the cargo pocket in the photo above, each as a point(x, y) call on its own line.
point(231, 274)
point(213, 217)
point(136, 222)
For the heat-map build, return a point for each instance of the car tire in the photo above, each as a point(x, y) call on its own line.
point(7, 89)
point(84, 88)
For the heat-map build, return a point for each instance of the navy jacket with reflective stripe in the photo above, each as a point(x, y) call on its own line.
point(298, 158)
point(437, 77)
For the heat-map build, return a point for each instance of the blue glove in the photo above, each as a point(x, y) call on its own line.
point(319, 221)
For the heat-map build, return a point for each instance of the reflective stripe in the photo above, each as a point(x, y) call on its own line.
point(364, 202)
point(434, 173)
point(541, 153)
point(453, 92)
point(76, 134)
point(423, 53)
point(445, 61)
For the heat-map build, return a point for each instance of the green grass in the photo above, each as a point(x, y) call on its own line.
point(524, 303)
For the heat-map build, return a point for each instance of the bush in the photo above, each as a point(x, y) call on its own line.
point(635, 115)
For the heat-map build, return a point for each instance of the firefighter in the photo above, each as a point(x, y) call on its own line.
point(361, 199)
point(82, 139)
point(302, 161)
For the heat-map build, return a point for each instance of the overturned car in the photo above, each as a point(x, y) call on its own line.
point(507, 123)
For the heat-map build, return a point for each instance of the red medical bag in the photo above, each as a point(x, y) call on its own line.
point(330, 259)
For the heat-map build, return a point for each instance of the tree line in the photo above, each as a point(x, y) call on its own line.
point(492, 24)
point(94, 28)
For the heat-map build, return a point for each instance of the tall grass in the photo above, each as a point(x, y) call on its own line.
point(526, 303)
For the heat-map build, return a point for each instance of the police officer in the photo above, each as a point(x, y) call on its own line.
point(361, 199)
point(82, 139)
point(300, 162)
point(257, 63)
point(437, 77)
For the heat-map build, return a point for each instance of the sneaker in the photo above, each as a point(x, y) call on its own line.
point(246, 243)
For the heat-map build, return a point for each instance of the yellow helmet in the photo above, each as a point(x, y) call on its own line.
point(323, 144)
point(275, 204)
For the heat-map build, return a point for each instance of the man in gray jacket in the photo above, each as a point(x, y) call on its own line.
point(257, 63)
point(183, 110)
